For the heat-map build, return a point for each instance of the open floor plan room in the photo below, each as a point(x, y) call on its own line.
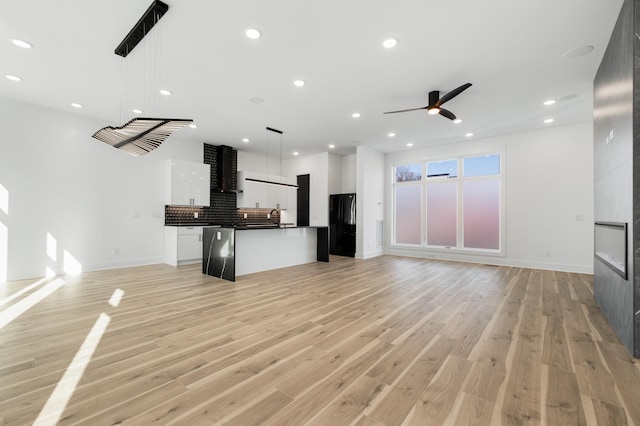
point(384, 341)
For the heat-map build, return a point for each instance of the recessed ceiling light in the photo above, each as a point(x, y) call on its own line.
point(457, 121)
point(392, 135)
point(253, 34)
point(13, 77)
point(389, 43)
point(245, 140)
point(298, 83)
point(193, 126)
point(549, 121)
point(22, 43)
point(578, 51)
point(76, 105)
point(165, 92)
point(332, 146)
point(256, 100)
point(409, 144)
point(136, 111)
point(550, 102)
point(356, 115)
point(296, 153)
point(469, 134)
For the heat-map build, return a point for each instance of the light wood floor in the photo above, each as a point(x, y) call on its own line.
point(385, 341)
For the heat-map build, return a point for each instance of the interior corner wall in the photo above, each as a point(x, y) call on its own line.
point(615, 167)
point(100, 207)
point(369, 201)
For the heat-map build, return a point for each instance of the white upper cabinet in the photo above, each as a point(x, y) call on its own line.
point(262, 195)
point(188, 183)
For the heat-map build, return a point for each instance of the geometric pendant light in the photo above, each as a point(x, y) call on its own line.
point(140, 135)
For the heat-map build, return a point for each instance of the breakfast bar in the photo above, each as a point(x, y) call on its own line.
point(233, 251)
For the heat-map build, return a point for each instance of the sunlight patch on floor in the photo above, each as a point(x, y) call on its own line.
point(57, 402)
point(22, 306)
point(22, 291)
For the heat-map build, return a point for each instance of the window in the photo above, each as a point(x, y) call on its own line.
point(456, 205)
point(409, 173)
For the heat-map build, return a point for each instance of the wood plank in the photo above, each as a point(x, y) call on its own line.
point(555, 352)
point(626, 376)
point(389, 368)
point(438, 398)
point(564, 405)
point(351, 404)
point(399, 401)
point(260, 412)
point(609, 415)
point(522, 403)
point(474, 411)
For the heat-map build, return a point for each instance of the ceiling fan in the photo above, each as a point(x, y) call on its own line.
point(435, 102)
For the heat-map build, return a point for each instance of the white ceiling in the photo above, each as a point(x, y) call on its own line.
point(512, 52)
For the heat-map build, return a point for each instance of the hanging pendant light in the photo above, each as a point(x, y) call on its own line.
point(141, 135)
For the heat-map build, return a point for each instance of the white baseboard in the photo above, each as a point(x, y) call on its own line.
point(493, 260)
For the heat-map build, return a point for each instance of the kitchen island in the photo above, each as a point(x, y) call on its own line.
point(233, 251)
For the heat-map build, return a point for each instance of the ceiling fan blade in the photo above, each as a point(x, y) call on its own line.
point(446, 113)
point(452, 94)
point(404, 110)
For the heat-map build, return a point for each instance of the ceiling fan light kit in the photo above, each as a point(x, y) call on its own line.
point(140, 135)
point(435, 102)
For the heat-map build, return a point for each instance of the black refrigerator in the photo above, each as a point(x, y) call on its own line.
point(342, 224)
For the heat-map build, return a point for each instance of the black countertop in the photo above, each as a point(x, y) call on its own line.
point(241, 227)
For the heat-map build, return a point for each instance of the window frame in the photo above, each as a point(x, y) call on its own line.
point(425, 182)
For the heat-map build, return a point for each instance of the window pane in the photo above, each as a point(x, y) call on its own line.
point(409, 173)
point(409, 214)
point(442, 169)
point(486, 165)
point(481, 203)
point(441, 214)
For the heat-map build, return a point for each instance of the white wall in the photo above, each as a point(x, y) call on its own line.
point(318, 167)
point(370, 167)
point(252, 162)
point(548, 197)
point(335, 174)
point(349, 178)
point(91, 198)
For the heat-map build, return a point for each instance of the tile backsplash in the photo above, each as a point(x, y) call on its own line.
point(181, 215)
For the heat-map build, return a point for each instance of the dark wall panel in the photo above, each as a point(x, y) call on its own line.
point(614, 168)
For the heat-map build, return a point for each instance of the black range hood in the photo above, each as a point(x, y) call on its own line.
point(226, 169)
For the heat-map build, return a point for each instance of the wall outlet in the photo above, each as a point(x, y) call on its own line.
point(195, 215)
point(547, 253)
point(116, 251)
point(136, 215)
point(244, 215)
point(268, 215)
